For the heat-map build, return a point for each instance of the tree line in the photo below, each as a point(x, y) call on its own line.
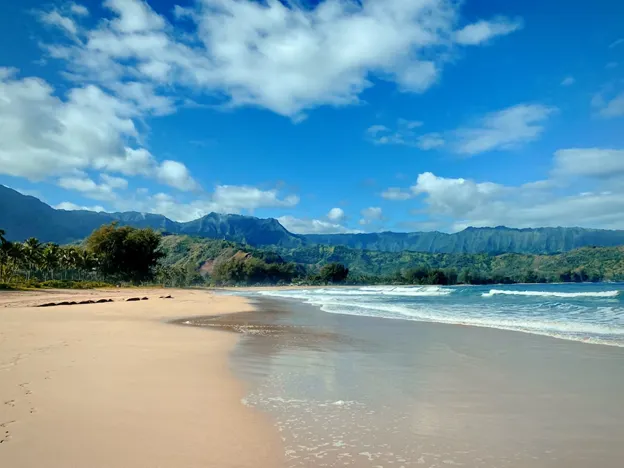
point(115, 254)
point(111, 254)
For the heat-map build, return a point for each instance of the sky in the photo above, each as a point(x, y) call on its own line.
point(331, 116)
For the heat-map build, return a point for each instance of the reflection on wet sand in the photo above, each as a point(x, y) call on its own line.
point(364, 392)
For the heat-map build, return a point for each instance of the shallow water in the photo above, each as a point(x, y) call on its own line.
point(582, 312)
point(362, 391)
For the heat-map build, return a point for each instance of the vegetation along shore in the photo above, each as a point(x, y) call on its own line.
point(115, 254)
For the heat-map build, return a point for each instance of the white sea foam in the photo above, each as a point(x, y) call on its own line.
point(412, 291)
point(556, 315)
point(494, 292)
point(601, 333)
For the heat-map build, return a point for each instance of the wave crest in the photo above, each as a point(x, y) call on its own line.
point(507, 292)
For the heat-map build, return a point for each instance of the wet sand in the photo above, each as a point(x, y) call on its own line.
point(114, 385)
point(367, 392)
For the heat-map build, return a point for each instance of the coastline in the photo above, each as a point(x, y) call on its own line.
point(114, 384)
point(366, 392)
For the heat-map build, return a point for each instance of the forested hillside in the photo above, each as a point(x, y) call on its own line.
point(586, 264)
point(25, 216)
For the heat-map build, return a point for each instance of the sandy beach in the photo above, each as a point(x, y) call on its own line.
point(115, 385)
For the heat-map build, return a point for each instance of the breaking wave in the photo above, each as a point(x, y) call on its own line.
point(494, 292)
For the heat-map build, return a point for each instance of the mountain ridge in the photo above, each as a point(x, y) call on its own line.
point(23, 216)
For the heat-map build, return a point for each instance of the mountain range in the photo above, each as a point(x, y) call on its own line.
point(23, 216)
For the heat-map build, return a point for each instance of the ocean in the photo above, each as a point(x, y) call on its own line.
point(426, 376)
point(592, 313)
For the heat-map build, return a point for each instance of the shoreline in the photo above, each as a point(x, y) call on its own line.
point(115, 384)
point(368, 392)
point(507, 326)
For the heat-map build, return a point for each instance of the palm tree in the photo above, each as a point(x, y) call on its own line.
point(86, 262)
point(2, 234)
point(11, 258)
point(69, 258)
point(32, 252)
point(50, 258)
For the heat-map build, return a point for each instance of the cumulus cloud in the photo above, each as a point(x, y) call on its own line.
point(312, 226)
point(285, 58)
point(69, 206)
point(585, 189)
point(453, 197)
point(234, 198)
point(176, 174)
point(223, 199)
point(504, 129)
point(91, 189)
point(336, 214)
point(370, 215)
point(483, 31)
point(45, 135)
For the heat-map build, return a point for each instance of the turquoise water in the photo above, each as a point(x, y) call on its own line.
point(368, 377)
point(592, 313)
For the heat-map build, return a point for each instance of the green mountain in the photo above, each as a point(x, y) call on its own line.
point(474, 240)
point(23, 216)
point(585, 264)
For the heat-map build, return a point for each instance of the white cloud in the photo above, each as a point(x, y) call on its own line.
point(589, 162)
point(585, 189)
point(176, 174)
point(312, 226)
point(371, 214)
point(288, 59)
point(375, 130)
point(79, 10)
point(613, 107)
point(453, 197)
point(45, 135)
point(609, 101)
point(336, 214)
point(430, 141)
point(54, 18)
point(69, 206)
point(503, 130)
point(134, 16)
point(611, 65)
point(404, 134)
point(223, 199)
point(482, 31)
point(114, 182)
point(396, 194)
point(233, 198)
point(568, 81)
point(583, 209)
point(89, 188)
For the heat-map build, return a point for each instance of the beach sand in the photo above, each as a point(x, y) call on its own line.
point(114, 385)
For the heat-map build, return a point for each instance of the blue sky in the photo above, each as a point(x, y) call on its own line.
point(330, 116)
